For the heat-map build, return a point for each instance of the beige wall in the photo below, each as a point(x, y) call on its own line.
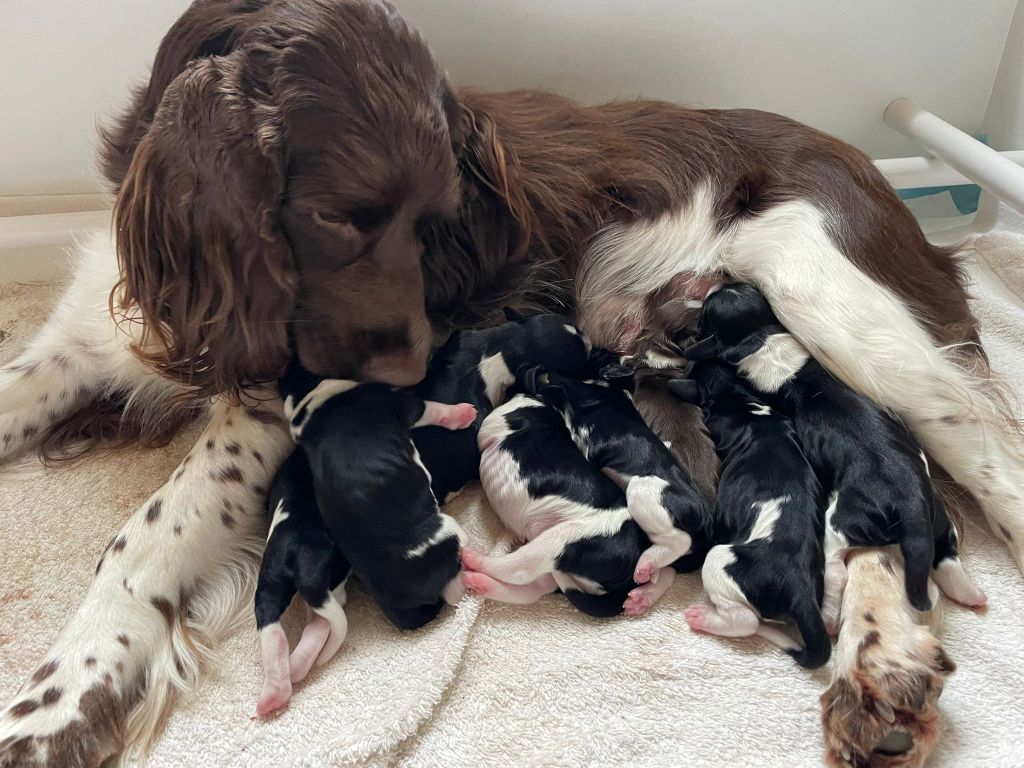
point(64, 64)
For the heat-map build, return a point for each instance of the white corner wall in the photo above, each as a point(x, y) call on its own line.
point(66, 64)
point(1004, 120)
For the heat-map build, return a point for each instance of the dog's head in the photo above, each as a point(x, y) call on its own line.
point(277, 178)
point(550, 341)
point(730, 314)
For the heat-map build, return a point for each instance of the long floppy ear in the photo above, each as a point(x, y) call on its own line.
point(704, 349)
point(685, 390)
point(203, 259)
point(533, 378)
point(734, 355)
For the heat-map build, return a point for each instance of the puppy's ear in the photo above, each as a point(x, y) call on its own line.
point(204, 261)
point(704, 349)
point(533, 378)
point(685, 390)
point(513, 315)
point(734, 355)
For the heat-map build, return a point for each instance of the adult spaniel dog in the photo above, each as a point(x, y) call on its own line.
point(302, 175)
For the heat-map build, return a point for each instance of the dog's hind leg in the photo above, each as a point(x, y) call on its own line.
point(645, 500)
point(867, 336)
point(522, 594)
point(535, 558)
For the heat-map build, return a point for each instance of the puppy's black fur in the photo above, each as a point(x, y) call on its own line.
point(300, 556)
point(610, 432)
point(474, 363)
point(552, 465)
point(374, 496)
point(780, 572)
point(885, 493)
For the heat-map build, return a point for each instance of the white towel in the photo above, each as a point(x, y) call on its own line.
point(500, 685)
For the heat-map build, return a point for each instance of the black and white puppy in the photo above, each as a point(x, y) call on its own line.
point(478, 367)
point(300, 557)
point(880, 490)
point(768, 561)
point(374, 492)
point(611, 434)
point(578, 532)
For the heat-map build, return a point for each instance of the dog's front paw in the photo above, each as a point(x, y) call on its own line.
point(70, 713)
point(881, 711)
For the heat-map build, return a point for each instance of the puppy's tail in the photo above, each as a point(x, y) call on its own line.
point(817, 648)
point(918, 548)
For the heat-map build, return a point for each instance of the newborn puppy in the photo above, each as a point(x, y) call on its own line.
point(767, 515)
point(877, 475)
point(374, 492)
point(478, 366)
point(612, 435)
point(300, 557)
point(578, 533)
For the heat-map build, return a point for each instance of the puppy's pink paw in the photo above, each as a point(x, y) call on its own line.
point(696, 616)
point(644, 571)
point(458, 416)
point(638, 602)
point(477, 583)
point(472, 560)
point(273, 696)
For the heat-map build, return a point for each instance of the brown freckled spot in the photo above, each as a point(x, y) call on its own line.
point(44, 397)
point(950, 419)
point(228, 520)
point(53, 415)
point(52, 696)
point(233, 448)
point(258, 456)
point(108, 679)
point(123, 640)
point(178, 475)
point(90, 662)
point(230, 474)
point(872, 638)
point(260, 490)
point(228, 422)
point(154, 511)
point(29, 431)
point(210, 444)
point(177, 530)
point(129, 590)
point(119, 544)
point(163, 605)
point(45, 671)
point(869, 617)
point(1006, 533)
point(8, 437)
point(119, 667)
point(23, 708)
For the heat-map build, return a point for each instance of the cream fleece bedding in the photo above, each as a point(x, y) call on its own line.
point(499, 685)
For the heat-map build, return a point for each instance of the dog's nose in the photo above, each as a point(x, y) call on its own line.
point(401, 369)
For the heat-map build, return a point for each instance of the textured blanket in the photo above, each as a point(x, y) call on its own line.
point(498, 685)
